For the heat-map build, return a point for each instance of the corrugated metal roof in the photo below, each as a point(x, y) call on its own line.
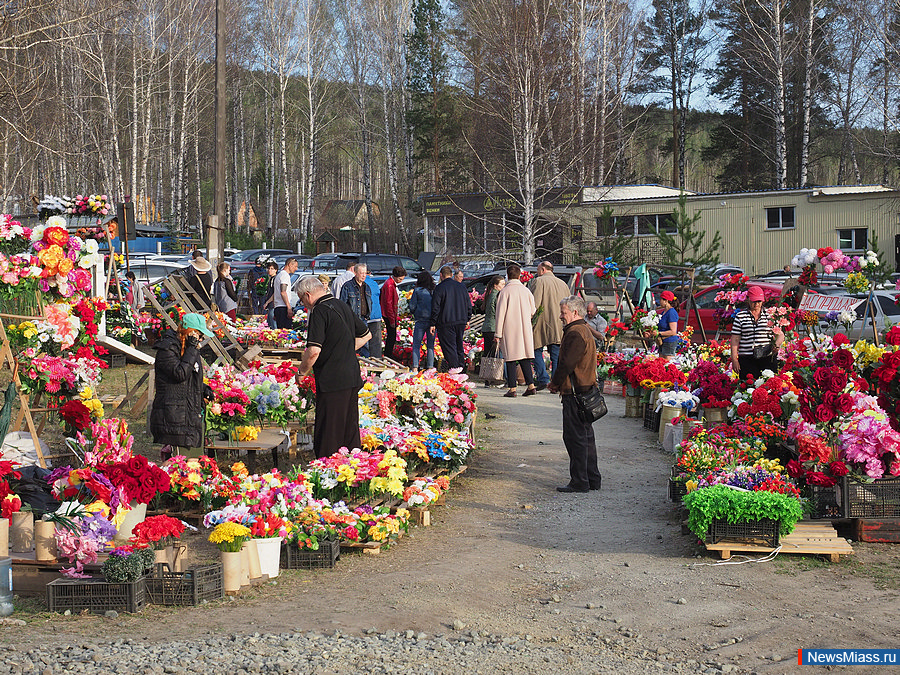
point(612, 193)
point(851, 189)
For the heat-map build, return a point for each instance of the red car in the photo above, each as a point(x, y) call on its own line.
point(706, 306)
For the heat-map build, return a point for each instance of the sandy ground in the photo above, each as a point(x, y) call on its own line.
point(509, 555)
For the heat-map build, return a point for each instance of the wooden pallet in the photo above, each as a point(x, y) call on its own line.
point(812, 537)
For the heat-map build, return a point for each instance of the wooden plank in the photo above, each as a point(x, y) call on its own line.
point(809, 537)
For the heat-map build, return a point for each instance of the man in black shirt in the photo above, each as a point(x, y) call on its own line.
point(333, 336)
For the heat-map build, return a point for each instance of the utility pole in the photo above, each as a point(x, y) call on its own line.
point(215, 227)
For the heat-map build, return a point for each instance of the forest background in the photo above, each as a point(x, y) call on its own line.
point(386, 100)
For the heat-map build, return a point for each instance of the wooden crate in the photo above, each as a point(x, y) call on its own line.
point(878, 530)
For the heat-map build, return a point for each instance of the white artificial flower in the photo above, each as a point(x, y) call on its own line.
point(847, 316)
point(56, 221)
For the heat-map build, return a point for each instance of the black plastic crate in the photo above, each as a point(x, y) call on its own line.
point(115, 360)
point(880, 499)
point(95, 595)
point(764, 532)
point(196, 585)
point(652, 417)
point(294, 558)
point(825, 502)
point(677, 490)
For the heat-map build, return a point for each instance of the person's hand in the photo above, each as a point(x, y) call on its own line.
point(552, 388)
point(496, 339)
point(290, 313)
point(735, 364)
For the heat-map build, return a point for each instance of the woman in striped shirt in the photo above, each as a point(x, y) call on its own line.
point(753, 342)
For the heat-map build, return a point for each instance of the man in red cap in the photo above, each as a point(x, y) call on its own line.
point(753, 343)
point(668, 325)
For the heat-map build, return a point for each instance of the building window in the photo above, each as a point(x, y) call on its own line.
point(615, 225)
point(856, 239)
point(779, 217)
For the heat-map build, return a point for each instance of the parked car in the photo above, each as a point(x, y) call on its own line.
point(380, 264)
point(884, 313)
point(706, 306)
point(570, 274)
point(250, 254)
point(151, 271)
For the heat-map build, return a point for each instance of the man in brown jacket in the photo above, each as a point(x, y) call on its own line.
point(577, 358)
point(548, 290)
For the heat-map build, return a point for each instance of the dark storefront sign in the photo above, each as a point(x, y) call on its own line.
point(497, 202)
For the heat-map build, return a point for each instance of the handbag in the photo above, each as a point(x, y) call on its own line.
point(491, 366)
point(591, 404)
point(762, 351)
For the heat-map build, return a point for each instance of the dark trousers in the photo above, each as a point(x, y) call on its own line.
point(337, 421)
point(527, 372)
point(451, 338)
point(390, 338)
point(752, 366)
point(578, 437)
point(282, 320)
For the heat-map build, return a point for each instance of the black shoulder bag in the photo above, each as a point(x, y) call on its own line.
point(591, 404)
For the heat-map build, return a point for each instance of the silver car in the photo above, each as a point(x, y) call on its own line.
point(883, 313)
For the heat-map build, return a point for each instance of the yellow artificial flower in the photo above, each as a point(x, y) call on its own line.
point(98, 507)
point(691, 485)
point(346, 474)
point(87, 394)
point(239, 469)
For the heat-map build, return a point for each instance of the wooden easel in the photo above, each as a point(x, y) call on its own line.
point(185, 295)
point(179, 298)
point(26, 411)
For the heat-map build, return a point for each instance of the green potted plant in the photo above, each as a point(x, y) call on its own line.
point(127, 564)
point(737, 506)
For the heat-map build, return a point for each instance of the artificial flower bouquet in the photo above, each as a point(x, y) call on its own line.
point(678, 398)
point(425, 491)
point(157, 532)
point(606, 268)
point(197, 480)
point(138, 479)
point(82, 544)
point(269, 525)
point(378, 524)
point(229, 537)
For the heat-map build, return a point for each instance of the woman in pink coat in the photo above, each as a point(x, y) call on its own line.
point(515, 307)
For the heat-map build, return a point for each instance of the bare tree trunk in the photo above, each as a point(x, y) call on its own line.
point(807, 92)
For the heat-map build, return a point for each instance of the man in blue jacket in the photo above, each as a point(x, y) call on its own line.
point(358, 295)
point(451, 308)
point(375, 317)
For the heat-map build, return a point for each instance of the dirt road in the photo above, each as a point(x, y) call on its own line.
point(509, 555)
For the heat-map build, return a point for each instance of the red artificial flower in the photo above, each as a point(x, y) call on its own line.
point(837, 381)
point(11, 504)
point(843, 358)
point(893, 336)
point(840, 340)
point(795, 469)
point(824, 413)
point(76, 414)
point(819, 478)
point(838, 469)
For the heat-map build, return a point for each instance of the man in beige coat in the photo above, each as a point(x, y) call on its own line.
point(548, 291)
point(515, 307)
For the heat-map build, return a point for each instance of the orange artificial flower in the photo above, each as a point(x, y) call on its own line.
point(65, 266)
point(56, 235)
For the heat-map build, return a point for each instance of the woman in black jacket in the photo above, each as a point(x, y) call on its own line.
point(176, 420)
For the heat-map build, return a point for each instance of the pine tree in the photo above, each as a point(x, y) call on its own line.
point(685, 248)
point(431, 114)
